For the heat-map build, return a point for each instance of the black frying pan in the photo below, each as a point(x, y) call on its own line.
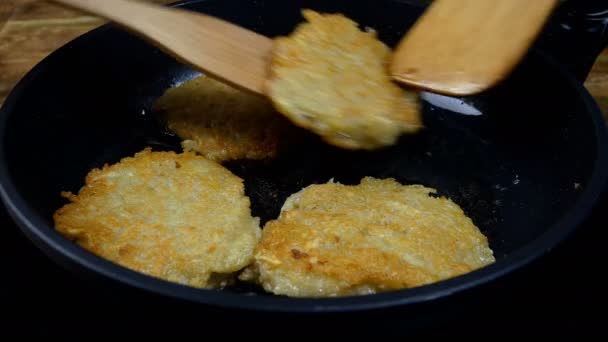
point(528, 169)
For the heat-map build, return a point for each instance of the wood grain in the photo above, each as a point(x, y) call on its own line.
point(597, 82)
point(31, 29)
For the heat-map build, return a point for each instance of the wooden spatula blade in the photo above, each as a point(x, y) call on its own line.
point(463, 47)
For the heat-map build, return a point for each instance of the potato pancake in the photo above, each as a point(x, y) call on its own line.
point(338, 240)
point(223, 123)
point(330, 77)
point(179, 217)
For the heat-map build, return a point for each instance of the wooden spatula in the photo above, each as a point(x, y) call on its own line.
point(462, 47)
point(224, 50)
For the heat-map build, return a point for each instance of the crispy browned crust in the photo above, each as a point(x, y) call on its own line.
point(178, 217)
point(221, 122)
point(336, 240)
point(330, 77)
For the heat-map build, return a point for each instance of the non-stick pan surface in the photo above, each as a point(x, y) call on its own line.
point(527, 165)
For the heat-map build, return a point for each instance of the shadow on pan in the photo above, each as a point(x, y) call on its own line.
point(526, 160)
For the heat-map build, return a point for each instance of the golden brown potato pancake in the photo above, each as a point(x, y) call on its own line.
point(221, 122)
point(179, 217)
point(330, 77)
point(338, 240)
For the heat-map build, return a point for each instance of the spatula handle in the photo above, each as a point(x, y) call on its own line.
point(122, 12)
point(216, 47)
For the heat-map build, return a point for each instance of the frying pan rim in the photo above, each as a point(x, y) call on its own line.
point(64, 251)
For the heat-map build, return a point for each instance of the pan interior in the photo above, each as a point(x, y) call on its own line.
point(516, 158)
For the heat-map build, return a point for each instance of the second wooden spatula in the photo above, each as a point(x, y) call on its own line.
point(463, 47)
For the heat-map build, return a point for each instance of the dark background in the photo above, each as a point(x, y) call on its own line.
point(561, 294)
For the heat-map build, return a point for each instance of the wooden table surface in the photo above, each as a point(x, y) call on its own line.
point(31, 29)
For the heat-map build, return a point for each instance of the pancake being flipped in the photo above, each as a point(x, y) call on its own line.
point(339, 240)
point(179, 217)
point(223, 123)
point(330, 77)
